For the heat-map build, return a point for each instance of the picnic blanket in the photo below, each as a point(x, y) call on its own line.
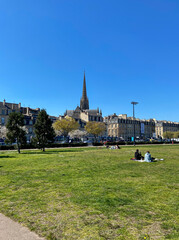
point(141, 160)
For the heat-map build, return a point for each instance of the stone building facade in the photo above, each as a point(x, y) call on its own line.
point(165, 126)
point(121, 126)
point(6, 109)
point(30, 116)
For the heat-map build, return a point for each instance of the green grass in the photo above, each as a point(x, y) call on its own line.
point(92, 193)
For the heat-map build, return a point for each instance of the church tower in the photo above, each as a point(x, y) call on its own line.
point(84, 103)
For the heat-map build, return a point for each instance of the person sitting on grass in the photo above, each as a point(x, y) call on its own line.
point(148, 157)
point(137, 155)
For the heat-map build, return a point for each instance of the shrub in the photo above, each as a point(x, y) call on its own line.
point(98, 144)
point(7, 147)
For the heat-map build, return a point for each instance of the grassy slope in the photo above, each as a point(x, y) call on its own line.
point(92, 193)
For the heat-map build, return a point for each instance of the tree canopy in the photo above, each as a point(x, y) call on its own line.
point(168, 134)
point(176, 134)
point(44, 132)
point(95, 128)
point(66, 125)
point(15, 131)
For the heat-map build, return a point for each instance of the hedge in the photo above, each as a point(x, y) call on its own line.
point(52, 145)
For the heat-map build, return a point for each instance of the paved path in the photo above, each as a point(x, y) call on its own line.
point(10, 230)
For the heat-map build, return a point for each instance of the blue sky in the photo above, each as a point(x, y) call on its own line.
point(129, 50)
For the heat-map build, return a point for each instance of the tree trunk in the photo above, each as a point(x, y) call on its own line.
point(18, 148)
point(43, 149)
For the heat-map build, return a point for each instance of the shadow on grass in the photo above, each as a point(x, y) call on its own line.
point(7, 156)
point(52, 152)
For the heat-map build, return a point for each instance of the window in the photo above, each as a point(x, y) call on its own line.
point(2, 121)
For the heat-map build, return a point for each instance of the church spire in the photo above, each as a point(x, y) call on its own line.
point(84, 88)
point(84, 103)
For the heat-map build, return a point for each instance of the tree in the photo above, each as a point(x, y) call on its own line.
point(66, 125)
point(176, 134)
point(168, 135)
point(95, 128)
point(15, 129)
point(44, 132)
point(3, 132)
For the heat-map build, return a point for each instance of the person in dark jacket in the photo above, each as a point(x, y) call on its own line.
point(137, 155)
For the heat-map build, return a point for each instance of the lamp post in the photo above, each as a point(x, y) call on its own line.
point(134, 103)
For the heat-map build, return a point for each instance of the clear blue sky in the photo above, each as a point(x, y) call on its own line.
point(129, 50)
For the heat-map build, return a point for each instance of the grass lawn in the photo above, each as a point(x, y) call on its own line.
point(92, 193)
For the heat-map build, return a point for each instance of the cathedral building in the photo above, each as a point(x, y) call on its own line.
point(82, 114)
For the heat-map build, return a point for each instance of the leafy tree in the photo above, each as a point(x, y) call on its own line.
point(15, 129)
point(168, 134)
point(176, 134)
point(44, 131)
point(66, 125)
point(95, 128)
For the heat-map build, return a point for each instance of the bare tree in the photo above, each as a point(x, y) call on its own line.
point(77, 134)
point(3, 132)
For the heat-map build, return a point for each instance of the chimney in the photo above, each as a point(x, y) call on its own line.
point(4, 102)
point(27, 111)
point(19, 105)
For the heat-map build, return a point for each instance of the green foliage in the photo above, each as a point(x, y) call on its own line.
point(168, 135)
point(117, 143)
point(7, 147)
point(95, 128)
point(44, 132)
point(15, 131)
point(176, 134)
point(66, 125)
point(92, 193)
point(97, 144)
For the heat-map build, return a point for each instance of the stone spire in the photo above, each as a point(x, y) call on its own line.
point(84, 103)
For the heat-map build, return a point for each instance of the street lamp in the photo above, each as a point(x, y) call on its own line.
point(134, 103)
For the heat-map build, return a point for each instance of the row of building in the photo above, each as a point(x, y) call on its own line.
point(30, 116)
point(120, 126)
